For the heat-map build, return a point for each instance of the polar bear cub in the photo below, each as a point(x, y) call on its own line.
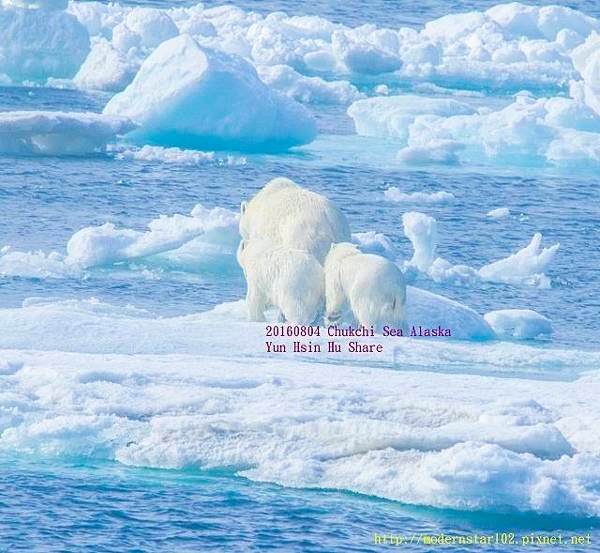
point(289, 215)
point(276, 276)
point(372, 287)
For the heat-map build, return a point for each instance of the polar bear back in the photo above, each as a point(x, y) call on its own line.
point(287, 214)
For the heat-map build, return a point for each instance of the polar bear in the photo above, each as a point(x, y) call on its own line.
point(372, 287)
point(291, 216)
point(276, 276)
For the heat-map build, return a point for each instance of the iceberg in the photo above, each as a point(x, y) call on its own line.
point(38, 41)
point(56, 133)
point(188, 96)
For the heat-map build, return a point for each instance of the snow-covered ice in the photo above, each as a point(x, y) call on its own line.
point(198, 404)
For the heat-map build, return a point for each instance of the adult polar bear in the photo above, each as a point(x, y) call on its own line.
point(286, 214)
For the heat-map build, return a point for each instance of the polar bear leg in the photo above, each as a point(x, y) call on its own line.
point(256, 303)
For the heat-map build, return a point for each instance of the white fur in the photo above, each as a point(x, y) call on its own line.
point(288, 279)
point(370, 286)
point(289, 215)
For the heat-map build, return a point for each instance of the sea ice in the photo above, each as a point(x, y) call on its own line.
point(526, 265)
point(59, 133)
point(310, 90)
point(188, 96)
point(39, 40)
point(523, 324)
point(104, 245)
point(499, 213)
point(394, 194)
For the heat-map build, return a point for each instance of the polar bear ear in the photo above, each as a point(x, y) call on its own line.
point(243, 207)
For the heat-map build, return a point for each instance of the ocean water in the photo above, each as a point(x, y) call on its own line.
point(107, 449)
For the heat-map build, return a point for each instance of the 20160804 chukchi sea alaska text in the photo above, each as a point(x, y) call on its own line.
point(306, 337)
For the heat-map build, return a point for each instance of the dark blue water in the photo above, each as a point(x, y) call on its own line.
point(56, 504)
point(84, 506)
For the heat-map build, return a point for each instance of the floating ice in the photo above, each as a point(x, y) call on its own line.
point(523, 324)
point(106, 244)
point(374, 242)
point(39, 40)
point(392, 116)
point(421, 230)
point(436, 151)
point(175, 156)
point(204, 241)
point(105, 68)
point(430, 310)
point(526, 265)
point(555, 130)
point(394, 194)
point(188, 96)
point(529, 451)
point(311, 90)
point(499, 213)
point(59, 133)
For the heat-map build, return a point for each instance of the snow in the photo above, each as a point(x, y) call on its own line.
point(58, 133)
point(523, 324)
point(191, 97)
point(105, 68)
point(170, 393)
point(36, 44)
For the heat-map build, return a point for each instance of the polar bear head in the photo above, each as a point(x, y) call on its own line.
point(261, 199)
point(339, 251)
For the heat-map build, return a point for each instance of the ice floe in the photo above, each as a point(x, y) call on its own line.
point(39, 40)
point(522, 324)
point(499, 213)
point(525, 267)
point(205, 240)
point(394, 194)
point(176, 156)
point(188, 96)
point(59, 133)
point(311, 90)
point(432, 130)
point(345, 427)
